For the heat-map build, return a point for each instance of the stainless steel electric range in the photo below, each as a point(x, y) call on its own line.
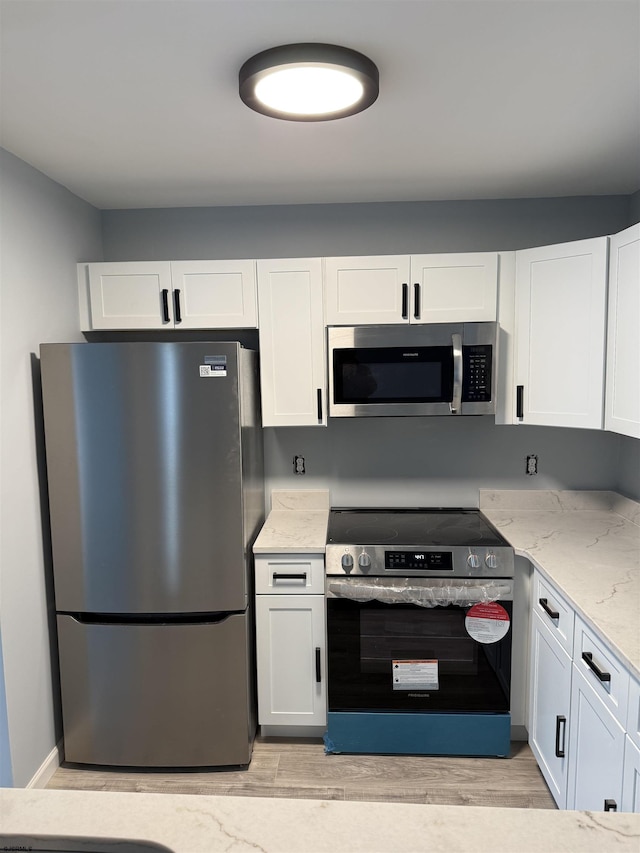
point(419, 627)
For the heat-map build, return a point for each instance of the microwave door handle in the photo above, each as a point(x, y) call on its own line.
point(456, 402)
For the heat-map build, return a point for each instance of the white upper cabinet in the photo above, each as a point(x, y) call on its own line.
point(384, 289)
point(622, 407)
point(455, 288)
point(134, 295)
point(371, 289)
point(215, 294)
point(560, 311)
point(292, 342)
point(168, 295)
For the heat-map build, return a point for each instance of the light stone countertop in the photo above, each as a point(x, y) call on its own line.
point(190, 823)
point(588, 544)
point(297, 523)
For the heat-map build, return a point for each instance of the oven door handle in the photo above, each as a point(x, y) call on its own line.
point(456, 403)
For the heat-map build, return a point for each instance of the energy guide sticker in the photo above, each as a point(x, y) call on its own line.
point(214, 365)
point(415, 674)
point(487, 623)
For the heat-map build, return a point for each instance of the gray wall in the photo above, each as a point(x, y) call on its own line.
point(44, 232)
point(357, 229)
point(436, 461)
point(397, 461)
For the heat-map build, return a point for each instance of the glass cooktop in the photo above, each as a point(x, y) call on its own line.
point(412, 527)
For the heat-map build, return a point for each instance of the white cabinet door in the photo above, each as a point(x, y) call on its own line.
point(367, 290)
point(292, 342)
point(560, 333)
point(168, 295)
point(134, 295)
point(384, 289)
point(549, 704)
point(291, 660)
point(631, 778)
point(454, 288)
point(596, 749)
point(214, 294)
point(622, 408)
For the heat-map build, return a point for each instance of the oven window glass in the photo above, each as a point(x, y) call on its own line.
point(393, 375)
point(364, 639)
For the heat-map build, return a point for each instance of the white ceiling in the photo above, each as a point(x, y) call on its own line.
point(133, 103)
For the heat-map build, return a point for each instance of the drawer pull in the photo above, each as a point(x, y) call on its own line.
point(552, 614)
point(279, 576)
point(587, 657)
point(560, 721)
point(610, 806)
point(318, 666)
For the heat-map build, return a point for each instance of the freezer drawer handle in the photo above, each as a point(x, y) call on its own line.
point(560, 721)
point(587, 657)
point(279, 576)
point(318, 666)
point(552, 614)
point(610, 806)
point(176, 305)
point(165, 306)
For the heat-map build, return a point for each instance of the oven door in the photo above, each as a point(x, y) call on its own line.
point(392, 655)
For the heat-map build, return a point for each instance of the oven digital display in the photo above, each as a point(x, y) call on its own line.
point(412, 560)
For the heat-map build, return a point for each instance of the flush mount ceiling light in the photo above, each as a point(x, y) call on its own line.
point(308, 82)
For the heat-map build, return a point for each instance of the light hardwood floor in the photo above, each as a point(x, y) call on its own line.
point(301, 769)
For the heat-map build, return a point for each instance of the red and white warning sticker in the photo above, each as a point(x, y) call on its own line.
point(487, 623)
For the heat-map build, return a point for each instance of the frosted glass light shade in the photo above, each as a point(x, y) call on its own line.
point(308, 82)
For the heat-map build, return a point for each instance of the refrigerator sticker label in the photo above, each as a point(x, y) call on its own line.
point(415, 674)
point(214, 365)
point(487, 623)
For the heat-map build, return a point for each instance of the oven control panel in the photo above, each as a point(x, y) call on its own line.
point(456, 561)
point(429, 561)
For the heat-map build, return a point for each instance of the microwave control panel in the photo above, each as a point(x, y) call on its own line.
point(476, 377)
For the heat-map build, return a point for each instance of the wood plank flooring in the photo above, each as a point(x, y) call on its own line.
point(301, 769)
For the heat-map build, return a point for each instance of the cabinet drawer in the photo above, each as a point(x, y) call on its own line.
point(602, 670)
point(633, 711)
point(554, 611)
point(290, 574)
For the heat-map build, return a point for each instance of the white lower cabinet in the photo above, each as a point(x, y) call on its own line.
point(596, 747)
point(584, 710)
point(550, 698)
point(290, 644)
point(631, 777)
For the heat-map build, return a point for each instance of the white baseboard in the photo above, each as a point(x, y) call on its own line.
point(47, 768)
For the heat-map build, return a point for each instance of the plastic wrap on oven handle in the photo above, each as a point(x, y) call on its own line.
point(429, 594)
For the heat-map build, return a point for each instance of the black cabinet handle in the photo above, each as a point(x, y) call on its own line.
point(405, 301)
point(560, 721)
point(520, 402)
point(416, 301)
point(587, 657)
point(318, 666)
point(552, 614)
point(300, 576)
point(319, 404)
point(165, 306)
point(610, 806)
point(176, 305)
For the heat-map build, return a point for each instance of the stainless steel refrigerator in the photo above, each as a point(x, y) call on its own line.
point(154, 466)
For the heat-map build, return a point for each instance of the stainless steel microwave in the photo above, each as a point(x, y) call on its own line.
point(433, 369)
